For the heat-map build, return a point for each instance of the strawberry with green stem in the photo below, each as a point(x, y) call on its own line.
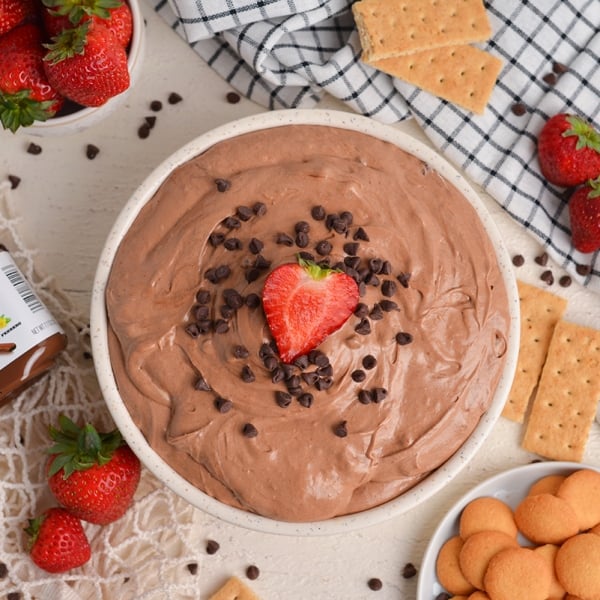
point(584, 213)
point(16, 12)
point(304, 303)
point(94, 475)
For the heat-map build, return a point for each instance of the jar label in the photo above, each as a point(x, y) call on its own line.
point(25, 321)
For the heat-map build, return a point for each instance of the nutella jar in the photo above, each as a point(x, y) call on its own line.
point(30, 337)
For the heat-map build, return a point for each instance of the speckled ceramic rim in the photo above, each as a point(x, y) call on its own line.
point(410, 499)
point(510, 487)
point(86, 117)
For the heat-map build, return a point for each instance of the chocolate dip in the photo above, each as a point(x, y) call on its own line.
point(438, 327)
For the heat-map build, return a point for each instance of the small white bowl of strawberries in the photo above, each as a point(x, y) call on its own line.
point(66, 64)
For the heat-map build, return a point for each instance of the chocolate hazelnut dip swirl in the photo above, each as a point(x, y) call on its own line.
point(384, 400)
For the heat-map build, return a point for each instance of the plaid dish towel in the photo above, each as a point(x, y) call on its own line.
point(288, 53)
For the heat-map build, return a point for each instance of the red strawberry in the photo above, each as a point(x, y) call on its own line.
point(65, 14)
point(569, 150)
point(304, 303)
point(94, 475)
point(87, 64)
point(25, 93)
point(57, 541)
point(16, 12)
point(584, 211)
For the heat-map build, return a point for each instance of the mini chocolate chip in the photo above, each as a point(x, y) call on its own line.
point(518, 108)
point(301, 227)
point(364, 327)
point(252, 572)
point(352, 261)
point(388, 305)
point(14, 181)
point(193, 330)
point(232, 243)
point(232, 97)
point(565, 281)
point(386, 268)
point(347, 217)
point(351, 248)
point(222, 272)
point(542, 259)
point(361, 310)
point(283, 399)
point(550, 78)
point(369, 362)
point(310, 378)
point(271, 363)
point(409, 571)
point(318, 213)
point(375, 584)
point(174, 98)
point(252, 300)
point(301, 239)
point(403, 278)
point(232, 223)
point(325, 371)
point(223, 405)
point(226, 311)
point(323, 248)
point(547, 277)
point(341, 429)
point(201, 312)
point(361, 234)
point(376, 313)
point(284, 239)
point(150, 121)
point(305, 399)
point(252, 275)
point(240, 352)
point(265, 350)
point(156, 105)
point(233, 298)
point(221, 326)
point(260, 262)
point(388, 288)
point(34, 149)
point(3, 570)
point(91, 151)
point(559, 68)
point(216, 239)
point(518, 260)
point(255, 246)
point(13, 596)
point(583, 270)
point(247, 374)
point(318, 358)
point(358, 375)
point(203, 296)
point(192, 568)
point(378, 394)
point(278, 373)
point(259, 209)
point(364, 397)
point(212, 547)
point(244, 213)
point(324, 383)
point(293, 382)
point(143, 131)
point(443, 596)
point(249, 431)
point(302, 361)
point(222, 184)
point(204, 326)
point(404, 338)
point(339, 225)
point(375, 265)
point(306, 255)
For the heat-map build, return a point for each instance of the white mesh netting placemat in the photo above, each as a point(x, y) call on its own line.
point(148, 553)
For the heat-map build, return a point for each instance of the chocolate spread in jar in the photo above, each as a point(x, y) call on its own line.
point(30, 337)
point(404, 381)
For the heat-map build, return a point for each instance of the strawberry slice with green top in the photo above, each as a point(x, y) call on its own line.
point(304, 303)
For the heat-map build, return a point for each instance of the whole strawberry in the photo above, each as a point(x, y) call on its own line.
point(94, 475)
point(568, 150)
point(304, 303)
point(584, 212)
point(57, 541)
point(16, 12)
point(87, 64)
point(25, 93)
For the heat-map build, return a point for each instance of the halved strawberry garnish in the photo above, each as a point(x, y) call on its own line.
point(304, 303)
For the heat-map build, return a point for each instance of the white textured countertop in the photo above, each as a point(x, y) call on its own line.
point(67, 204)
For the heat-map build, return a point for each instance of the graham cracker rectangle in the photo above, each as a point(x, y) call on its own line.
point(568, 392)
point(392, 27)
point(463, 75)
point(234, 589)
point(540, 311)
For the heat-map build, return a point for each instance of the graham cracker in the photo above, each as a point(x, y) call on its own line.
point(540, 311)
point(392, 27)
point(463, 75)
point(568, 392)
point(234, 589)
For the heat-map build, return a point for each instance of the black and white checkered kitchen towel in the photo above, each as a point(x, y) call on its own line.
point(288, 53)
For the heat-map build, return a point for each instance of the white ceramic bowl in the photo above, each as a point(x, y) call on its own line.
point(86, 117)
point(419, 493)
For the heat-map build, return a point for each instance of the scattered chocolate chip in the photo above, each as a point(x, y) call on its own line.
point(375, 265)
point(278, 373)
point(351, 248)
point(14, 181)
point(518, 108)
point(271, 363)
point(13, 596)
point(518, 260)
point(202, 385)
point(144, 131)
point(231, 222)
point(3, 570)
point(249, 431)
point(232, 97)
point(193, 330)
point(310, 378)
point(375, 584)
point(305, 399)
point(150, 121)
point(301, 239)
point(361, 234)
point(403, 278)
point(341, 429)
point(403, 338)
point(443, 596)
point(358, 375)
point(583, 270)
point(232, 243)
point(233, 298)
point(301, 227)
point(252, 275)
point(222, 184)
point(550, 78)
point(212, 547)
point(222, 272)
point(201, 312)
point(252, 300)
point(542, 259)
point(240, 352)
point(559, 68)
point(378, 394)
point(265, 350)
point(361, 310)
point(352, 262)
point(174, 98)
point(323, 248)
point(91, 151)
point(306, 255)
point(223, 405)
point(216, 239)
point(347, 217)
point(203, 296)
point(316, 357)
point(247, 374)
point(260, 262)
point(388, 288)
point(324, 383)
point(252, 572)
point(284, 239)
point(547, 277)
point(364, 397)
point(87, 355)
point(255, 246)
point(259, 209)
point(388, 305)
point(192, 568)
point(386, 268)
point(369, 362)
point(409, 571)
point(565, 281)
point(221, 326)
point(302, 362)
point(156, 105)
point(318, 213)
point(34, 149)
point(364, 327)
point(283, 399)
point(376, 313)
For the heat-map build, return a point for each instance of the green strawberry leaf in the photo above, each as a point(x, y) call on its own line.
point(76, 10)
point(587, 136)
point(67, 44)
point(20, 110)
